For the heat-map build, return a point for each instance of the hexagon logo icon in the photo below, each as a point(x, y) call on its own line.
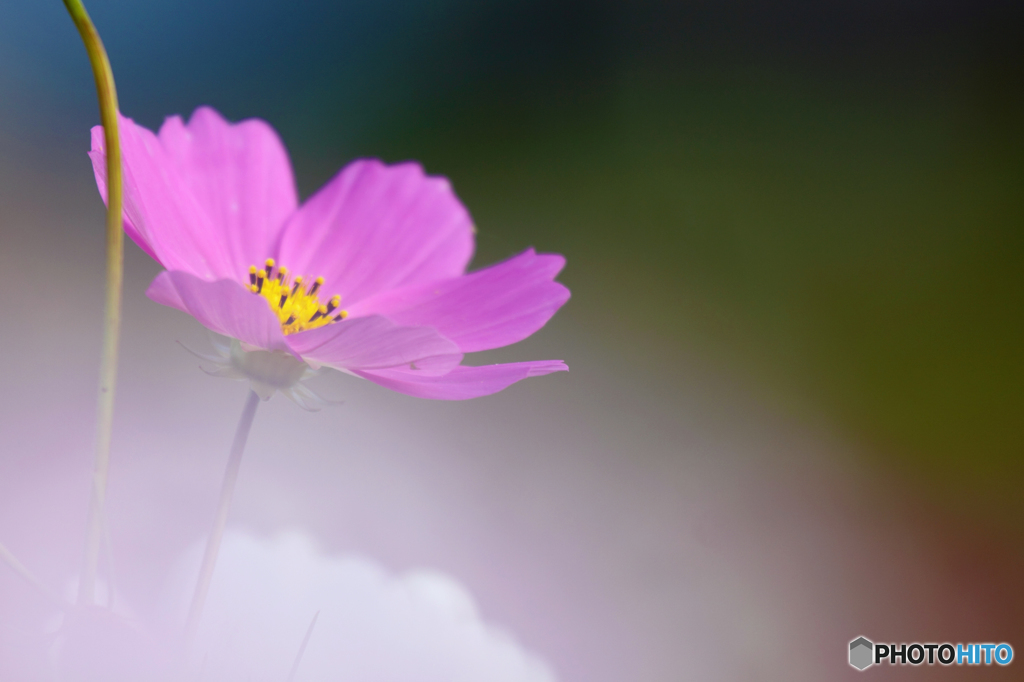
point(861, 650)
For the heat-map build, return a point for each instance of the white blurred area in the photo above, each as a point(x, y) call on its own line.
point(639, 518)
point(369, 625)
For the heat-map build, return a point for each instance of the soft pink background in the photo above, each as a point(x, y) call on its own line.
point(624, 523)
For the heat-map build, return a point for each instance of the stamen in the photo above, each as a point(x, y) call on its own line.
point(297, 309)
point(319, 313)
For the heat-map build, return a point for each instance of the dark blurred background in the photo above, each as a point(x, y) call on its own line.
point(811, 209)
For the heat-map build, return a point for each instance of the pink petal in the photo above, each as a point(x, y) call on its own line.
point(98, 155)
point(240, 174)
point(490, 308)
point(159, 207)
point(224, 306)
point(375, 227)
point(462, 383)
point(376, 342)
point(202, 198)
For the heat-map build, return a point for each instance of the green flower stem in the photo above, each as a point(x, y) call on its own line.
point(112, 310)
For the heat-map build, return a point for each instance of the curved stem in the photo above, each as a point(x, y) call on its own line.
point(112, 306)
point(227, 491)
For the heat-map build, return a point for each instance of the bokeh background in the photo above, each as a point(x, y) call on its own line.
point(795, 235)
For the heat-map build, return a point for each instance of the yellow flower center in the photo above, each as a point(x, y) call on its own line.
point(296, 304)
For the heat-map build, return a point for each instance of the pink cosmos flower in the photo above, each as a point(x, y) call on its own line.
point(368, 276)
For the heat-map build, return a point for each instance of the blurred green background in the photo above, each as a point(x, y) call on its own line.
point(820, 199)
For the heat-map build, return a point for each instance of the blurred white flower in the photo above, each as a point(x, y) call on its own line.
point(372, 626)
point(266, 371)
